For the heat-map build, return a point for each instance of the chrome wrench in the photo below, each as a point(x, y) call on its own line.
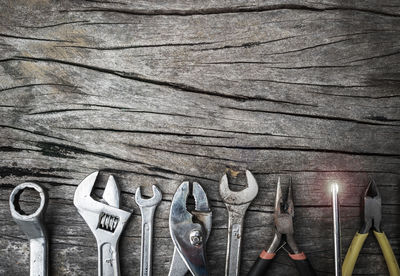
point(105, 219)
point(147, 209)
point(33, 227)
point(237, 204)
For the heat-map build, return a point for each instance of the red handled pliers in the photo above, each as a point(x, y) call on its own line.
point(283, 221)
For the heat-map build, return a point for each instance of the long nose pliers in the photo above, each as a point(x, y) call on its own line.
point(283, 222)
point(372, 215)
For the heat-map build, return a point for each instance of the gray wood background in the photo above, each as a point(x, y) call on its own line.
point(158, 92)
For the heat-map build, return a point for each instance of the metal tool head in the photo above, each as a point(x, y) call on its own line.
point(372, 211)
point(147, 202)
point(103, 217)
point(31, 225)
point(241, 197)
point(190, 230)
point(283, 218)
point(284, 206)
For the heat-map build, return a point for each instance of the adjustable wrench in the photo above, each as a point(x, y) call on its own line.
point(147, 209)
point(105, 219)
point(33, 227)
point(237, 204)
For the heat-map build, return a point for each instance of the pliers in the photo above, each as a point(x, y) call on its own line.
point(372, 216)
point(189, 231)
point(283, 222)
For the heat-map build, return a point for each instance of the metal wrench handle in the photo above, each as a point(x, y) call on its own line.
point(108, 259)
point(147, 238)
point(38, 257)
point(33, 227)
point(235, 232)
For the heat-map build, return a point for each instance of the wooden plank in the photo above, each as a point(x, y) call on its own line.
point(161, 92)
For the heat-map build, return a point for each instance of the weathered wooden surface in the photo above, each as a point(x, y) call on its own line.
point(166, 91)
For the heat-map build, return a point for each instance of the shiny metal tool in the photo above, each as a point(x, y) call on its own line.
point(189, 231)
point(33, 227)
point(237, 204)
point(147, 209)
point(336, 230)
point(105, 219)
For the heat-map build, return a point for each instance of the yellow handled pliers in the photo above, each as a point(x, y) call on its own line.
point(372, 214)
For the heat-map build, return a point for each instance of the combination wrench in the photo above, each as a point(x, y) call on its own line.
point(33, 227)
point(147, 209)
point(237, 204)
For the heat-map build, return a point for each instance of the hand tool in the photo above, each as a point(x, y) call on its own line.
point(372, 216)
point(189, 231)
point(336, 229)
point(283, 224)
point(147, 209)
point(105, 219)
point(237, 204)
point(33, 227)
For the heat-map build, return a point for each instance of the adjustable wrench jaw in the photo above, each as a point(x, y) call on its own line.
point(189, 237)
point(105, 220)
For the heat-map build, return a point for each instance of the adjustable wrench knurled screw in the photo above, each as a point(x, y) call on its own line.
point(147, 209)
point(237, 204)
point(33, 227)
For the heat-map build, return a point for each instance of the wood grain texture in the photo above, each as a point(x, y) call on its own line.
point(158, 92)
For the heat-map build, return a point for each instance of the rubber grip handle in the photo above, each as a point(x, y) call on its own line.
point(352, 254)
point(387, 251)
point(303, 265)
point(261, 265)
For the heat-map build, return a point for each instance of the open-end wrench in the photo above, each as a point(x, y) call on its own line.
point(33, 227)
point(237, 204)
point(147, 209)
point(105, 219)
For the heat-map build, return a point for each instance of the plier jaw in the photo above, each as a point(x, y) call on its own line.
point(190, 230)
point(372, 209)
point(283, 219)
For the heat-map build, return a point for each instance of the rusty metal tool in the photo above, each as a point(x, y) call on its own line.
point(237, 204)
